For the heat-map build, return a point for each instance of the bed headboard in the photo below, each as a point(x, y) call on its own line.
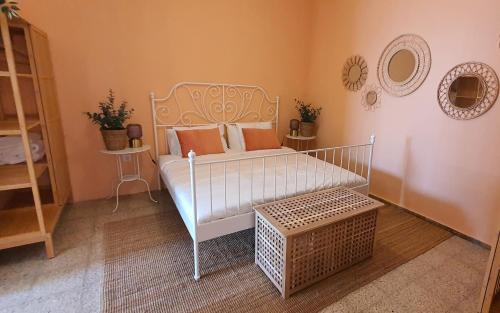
point(194, 104)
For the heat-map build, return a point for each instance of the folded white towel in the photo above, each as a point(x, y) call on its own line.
point(12, 151)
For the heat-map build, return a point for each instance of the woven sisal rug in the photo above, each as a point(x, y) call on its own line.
point(149, 267)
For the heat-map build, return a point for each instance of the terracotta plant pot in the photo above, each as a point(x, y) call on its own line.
point(115, 139)
point(306, 129)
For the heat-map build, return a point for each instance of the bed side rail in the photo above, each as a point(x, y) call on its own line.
point(282, 174)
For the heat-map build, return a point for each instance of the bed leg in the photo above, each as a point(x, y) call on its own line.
point(192, 171)
point(196, 262)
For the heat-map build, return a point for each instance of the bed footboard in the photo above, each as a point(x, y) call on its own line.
point(229, 188)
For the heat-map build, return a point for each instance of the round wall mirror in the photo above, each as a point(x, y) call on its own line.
point(354, 73)
point(468, 90)
point(402, 65)
point(371, 97)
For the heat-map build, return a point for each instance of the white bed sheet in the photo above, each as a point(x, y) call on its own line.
point(236, 200)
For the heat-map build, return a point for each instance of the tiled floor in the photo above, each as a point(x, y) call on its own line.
point(446, 279)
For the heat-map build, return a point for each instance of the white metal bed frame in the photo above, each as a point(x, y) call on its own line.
point(231, 103)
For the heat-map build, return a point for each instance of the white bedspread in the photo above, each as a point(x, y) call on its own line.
point(235, 194)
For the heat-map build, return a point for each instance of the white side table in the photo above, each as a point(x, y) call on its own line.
point(301, 141)
point(134, 153)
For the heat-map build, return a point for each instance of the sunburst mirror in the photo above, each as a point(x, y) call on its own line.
point(354, 73)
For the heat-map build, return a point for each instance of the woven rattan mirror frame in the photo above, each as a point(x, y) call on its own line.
point(489, 81)
point(357, 84)
point(422, 54)
point(376, 93)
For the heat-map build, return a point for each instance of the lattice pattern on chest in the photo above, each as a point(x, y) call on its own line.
point(313, 246)
point(302, 211)
point(329, 249)
point(269, 251)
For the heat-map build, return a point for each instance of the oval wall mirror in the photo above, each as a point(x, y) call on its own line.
point(404, 65)
point(354, 73)
point(468, 90)
point(371, 97)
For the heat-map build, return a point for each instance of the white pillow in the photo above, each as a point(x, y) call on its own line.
point(235, 135)
point(173, 142)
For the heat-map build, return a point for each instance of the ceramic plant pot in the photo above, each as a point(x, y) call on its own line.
point(115, 139)
point(306, 129)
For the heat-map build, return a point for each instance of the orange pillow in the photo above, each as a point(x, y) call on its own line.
point(260, 139)
point(201, 141)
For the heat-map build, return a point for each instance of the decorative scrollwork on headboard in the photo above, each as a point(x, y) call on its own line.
point(191, 103)
point(201, 103)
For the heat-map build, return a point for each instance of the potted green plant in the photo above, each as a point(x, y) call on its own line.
point(308, 115)
point(111, 120)
point(9, 8)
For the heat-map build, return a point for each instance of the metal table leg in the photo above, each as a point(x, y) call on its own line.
point(135, 176)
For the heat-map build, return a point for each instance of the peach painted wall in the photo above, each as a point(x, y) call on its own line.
point(138, 47)
point(441, 168)
point(444, 169)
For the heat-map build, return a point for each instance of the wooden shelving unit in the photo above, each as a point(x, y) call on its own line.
point(35, 222)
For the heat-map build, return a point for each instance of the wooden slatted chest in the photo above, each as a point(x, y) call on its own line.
point(301, 240)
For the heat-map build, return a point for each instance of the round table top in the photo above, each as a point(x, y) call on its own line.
point(127, 150)
point(300, 137)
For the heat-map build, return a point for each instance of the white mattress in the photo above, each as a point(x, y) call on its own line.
point(236, 199)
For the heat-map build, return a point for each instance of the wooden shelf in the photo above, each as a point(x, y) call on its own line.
point(20, 226)
point(17, 177)
point(16, 51)
point(22, 198)
point(11, 127)
point(7, 74)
